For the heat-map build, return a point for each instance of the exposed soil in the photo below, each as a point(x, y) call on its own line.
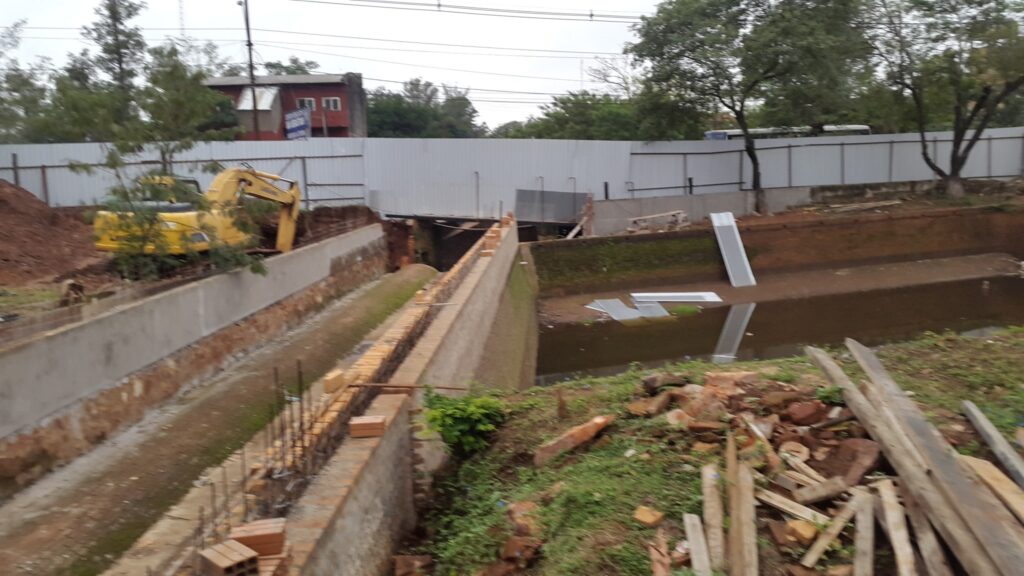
point(39, 243)
point(79, 519)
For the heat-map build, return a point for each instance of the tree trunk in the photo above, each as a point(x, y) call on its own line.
point(955, 186)
point(760, 202)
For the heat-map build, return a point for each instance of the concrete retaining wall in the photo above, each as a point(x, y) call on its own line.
point(692, 255)
point(612, 216)
point(49, 373)
point(452, 348)
point(355, 513)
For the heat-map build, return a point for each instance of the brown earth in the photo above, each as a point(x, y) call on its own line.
point(39, 243)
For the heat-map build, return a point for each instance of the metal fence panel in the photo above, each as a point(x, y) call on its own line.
point(479, 177)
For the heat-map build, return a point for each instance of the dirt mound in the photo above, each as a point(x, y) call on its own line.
point(39, 243)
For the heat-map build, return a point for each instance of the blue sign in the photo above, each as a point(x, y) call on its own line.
point(298, 124)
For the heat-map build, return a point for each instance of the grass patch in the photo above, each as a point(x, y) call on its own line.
point(684, 310)
point(13, 299)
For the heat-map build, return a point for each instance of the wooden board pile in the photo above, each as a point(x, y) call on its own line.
point(944, 495)
point(804, 477)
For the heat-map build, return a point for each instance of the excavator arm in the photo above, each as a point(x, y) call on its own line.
point(228, 187)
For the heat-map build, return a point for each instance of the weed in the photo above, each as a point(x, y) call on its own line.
point(467, 423)
point(684, 310)
point(832, 395)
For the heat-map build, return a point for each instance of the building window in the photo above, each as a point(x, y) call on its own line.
point(332, 103)
point(306, 103)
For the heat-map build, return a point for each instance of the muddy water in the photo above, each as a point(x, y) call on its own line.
point(781, 328)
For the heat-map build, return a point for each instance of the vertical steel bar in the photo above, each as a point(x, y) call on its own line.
point(476, 176)
point(227, 500)
point(213, 509)
point(242, 485)
point(14, 166)
point(686, 174)
point(739, 153)
point(302, 413)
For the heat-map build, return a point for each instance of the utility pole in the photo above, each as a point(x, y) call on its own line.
point(252, 70)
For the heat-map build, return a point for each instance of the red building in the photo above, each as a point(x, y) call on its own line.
point(336, 104)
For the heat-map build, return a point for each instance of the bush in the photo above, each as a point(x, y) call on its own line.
point(466, 424)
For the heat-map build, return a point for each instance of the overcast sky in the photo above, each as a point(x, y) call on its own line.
point(311, 26)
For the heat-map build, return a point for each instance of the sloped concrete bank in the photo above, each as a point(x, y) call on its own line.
point(65, 390)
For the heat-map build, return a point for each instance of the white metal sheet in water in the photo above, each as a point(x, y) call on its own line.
point(675, 297)
point(736, 263)
point(617, 310)
point(652, 310)
point(733, 330)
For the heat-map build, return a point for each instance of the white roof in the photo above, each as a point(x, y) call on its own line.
point(265, 98)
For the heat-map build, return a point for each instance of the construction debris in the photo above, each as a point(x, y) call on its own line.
point(265, 537)
point(1007, 456)
point(571, 439)
point(648, 516)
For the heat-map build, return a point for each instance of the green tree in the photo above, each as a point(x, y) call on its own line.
point(179, 109)
point(292, 67)
point(121, 49)
point(22, 95)
point(81, 107)
point(959, 61)
point(422, 110)
point(716, 53)
point(828, 69)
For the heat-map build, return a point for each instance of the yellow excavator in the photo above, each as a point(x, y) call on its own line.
point(188, 229)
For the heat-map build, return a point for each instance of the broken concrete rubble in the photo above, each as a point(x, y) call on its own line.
point(806, 413)
point(648, 516)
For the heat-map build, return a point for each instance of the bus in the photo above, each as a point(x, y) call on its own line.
point(789, 132)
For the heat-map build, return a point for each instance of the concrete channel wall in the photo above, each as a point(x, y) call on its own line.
point(692, 255)
point(359, 507)
point(52, 372)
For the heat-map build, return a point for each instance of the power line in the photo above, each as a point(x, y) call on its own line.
point(534, 12)
point(423, 51)
point(369, 39)
point(269, 45)
point(480, 11)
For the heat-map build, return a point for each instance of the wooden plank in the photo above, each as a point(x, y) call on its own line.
point(713, 515)
point(864, 538)
point(794, 509)
point(799, 478)
point(997, 530)
point(747, 522)
point(798, 465)
point(896, 525)
point(734, 560)
point(661, 562)
point(774, 464)
point(700, 559)
point(835, 527)
point(1004, 488)
point(1007, 456)
point(826, 490)
point(898, 453)
point(933, 556)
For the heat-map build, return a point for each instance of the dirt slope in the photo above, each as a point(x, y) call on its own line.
point(38, 243)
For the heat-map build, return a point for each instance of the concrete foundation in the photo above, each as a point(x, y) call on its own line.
point(65, 390)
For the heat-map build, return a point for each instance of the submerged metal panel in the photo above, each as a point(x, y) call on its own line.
point(736, 263)
point(733, 330)
point(675, 297)
point(617, 310)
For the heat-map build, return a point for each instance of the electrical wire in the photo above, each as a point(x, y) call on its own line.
point(476, 11)
point(465, 71)
point(366, 38)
